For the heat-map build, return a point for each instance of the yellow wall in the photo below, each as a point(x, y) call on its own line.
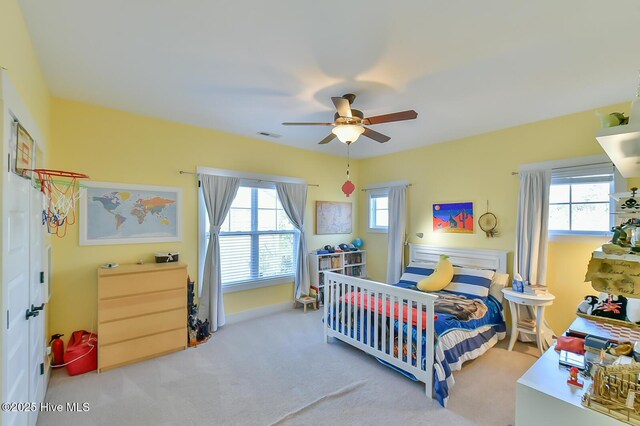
point(116, 146)
point(18, 56)
point(478, 169)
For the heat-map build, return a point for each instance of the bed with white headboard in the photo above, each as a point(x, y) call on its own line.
point(397, 325)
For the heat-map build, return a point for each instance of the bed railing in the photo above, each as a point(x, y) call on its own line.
point(361, 313)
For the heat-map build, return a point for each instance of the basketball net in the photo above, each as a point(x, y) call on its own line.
point(61, 190)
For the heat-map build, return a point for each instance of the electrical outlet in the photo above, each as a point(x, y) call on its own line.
point(48, 350)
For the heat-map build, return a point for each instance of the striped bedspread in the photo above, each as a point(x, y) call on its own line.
point(457, 340)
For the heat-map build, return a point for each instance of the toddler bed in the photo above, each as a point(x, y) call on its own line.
point(425, 336)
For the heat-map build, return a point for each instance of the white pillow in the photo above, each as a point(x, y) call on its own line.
point(498, 282)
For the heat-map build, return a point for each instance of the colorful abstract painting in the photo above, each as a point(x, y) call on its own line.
point(453, 217)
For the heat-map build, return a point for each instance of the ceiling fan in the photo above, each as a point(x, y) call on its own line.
point(349, 123)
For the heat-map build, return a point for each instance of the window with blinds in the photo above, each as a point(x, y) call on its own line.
point(378, 210)
point(257, 238)
point(579, 201)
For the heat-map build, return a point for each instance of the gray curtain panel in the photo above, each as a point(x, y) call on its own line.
point(532, 232)
point(532, 228)
point(219, 192)
point(293, 197)
point(396, 232)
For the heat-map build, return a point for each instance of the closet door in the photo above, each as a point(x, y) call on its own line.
point(16, 295)
point(37, 352)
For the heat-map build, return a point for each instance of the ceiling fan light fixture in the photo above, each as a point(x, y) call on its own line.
point(348, 133)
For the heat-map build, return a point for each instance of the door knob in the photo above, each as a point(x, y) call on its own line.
point(31, 313)
point(37, 308)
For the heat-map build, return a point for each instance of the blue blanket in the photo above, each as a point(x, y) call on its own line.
point(449, 353)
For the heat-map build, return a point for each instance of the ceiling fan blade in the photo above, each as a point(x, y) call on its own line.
point(394, 116)
point(342, 105)
point(376, 136)
point(327, 139)
point(308, 124)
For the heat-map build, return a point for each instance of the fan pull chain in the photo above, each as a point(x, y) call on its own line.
point(348, 160)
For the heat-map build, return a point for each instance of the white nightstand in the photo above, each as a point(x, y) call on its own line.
point(522, 299)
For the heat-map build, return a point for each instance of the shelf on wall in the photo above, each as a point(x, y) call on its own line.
point(622, 145)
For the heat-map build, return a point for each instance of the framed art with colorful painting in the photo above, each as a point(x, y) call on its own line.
point(116, 213)
point(455, 218)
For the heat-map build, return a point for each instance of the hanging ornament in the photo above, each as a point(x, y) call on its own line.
point(348, 187)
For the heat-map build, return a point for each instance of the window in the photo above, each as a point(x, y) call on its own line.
point(378, 210)
point(579, 201)
point(257, 238)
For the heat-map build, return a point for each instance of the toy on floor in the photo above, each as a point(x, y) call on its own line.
point(573, 378)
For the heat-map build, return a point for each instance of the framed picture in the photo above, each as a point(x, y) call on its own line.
point(24, 155)
point(333, 217)
point(456, 218)
point(116, 213)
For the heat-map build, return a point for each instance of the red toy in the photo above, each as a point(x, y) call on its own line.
point(82, 353)
point(573, 378)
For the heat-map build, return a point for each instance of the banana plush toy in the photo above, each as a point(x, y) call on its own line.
point(440, 278)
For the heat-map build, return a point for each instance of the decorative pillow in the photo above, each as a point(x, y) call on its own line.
point(611, 306)
point(415, 272)
point(471, 281)
point(498, 282)
point(440, 277)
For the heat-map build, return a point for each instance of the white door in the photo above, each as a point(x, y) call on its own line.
point(37, 354)
point(17, 280)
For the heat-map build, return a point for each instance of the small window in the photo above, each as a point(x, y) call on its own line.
point(579, 201)
point(378, 210)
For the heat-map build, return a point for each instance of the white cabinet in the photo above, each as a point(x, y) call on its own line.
point(352, 263)
point(543, 397)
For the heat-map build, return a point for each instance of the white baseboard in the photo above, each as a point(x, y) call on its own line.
point(258, 312)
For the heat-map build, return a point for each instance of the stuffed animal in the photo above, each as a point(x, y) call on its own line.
point(440, 277)
point(611, 306)
point(587, 305)
point(633, 310)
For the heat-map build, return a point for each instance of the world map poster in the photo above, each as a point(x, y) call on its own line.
point(120, 214)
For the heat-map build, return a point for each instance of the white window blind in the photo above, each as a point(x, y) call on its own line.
point(257, 238)
point(378, 210)
point(579, 201)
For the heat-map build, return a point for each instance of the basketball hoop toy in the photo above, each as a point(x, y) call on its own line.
point(62, 190)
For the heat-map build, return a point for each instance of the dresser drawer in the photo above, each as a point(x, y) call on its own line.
point(140, 283)
point(131, 328)
point(129, 351)
point(142, 304)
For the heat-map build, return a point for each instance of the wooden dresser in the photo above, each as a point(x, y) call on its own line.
point(142, 312)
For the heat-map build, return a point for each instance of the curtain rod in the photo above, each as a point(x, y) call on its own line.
point(384, 187)
point(571, 167)
point(182, 172)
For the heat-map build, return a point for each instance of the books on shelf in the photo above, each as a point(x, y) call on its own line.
point(527, 324)
point(535, 289)
point(329, 262)
point(352, 258)
point(353, 271)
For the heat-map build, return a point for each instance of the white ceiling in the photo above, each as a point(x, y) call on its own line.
point(244, 66)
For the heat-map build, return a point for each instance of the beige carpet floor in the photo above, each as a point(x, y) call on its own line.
point(277, 369)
